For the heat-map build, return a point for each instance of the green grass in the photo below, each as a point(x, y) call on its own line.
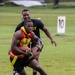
point(58, 60)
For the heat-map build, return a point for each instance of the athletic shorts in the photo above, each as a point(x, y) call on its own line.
point(21, 63)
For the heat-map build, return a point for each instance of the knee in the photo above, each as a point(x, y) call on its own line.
point(38, 68)
point(37, 58)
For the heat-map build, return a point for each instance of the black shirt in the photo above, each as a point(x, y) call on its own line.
point(37, 24)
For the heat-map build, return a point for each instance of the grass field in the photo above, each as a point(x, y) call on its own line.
point(58, 60)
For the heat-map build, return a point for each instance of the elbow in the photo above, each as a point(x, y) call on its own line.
point(13, 47)
point(45, 30)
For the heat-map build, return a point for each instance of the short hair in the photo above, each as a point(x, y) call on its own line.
point(27, 21)
point(25, 10)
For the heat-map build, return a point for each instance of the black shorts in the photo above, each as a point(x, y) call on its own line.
point(21, 63)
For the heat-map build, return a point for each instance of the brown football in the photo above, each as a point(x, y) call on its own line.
point(24, 48)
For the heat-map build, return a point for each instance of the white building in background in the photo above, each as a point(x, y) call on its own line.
point(42, 1)
point(28, 3)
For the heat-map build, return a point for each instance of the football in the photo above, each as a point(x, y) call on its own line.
point(24, 48)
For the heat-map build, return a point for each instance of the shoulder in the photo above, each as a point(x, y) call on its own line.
point(21, 23)
point(18, 34)
point(35, 20)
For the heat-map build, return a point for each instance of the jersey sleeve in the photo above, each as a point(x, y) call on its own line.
point(19, 26)
point(40, 24)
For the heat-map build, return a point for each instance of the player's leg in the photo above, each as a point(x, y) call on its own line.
point(35, 65)
point(36, 53)
point(18, 67)
point(15, 73)
point(22, 72)
point(19, 73)
point(36, 56)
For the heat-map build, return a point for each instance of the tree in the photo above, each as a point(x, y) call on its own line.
point(1, 1)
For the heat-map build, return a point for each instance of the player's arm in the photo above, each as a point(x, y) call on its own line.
point(15, 41)
point(36, 39)
point(43, 28)
point(49, 35)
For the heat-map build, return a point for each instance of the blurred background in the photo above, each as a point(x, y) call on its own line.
point(58, 60)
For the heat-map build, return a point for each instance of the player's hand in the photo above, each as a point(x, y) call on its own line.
point(38, 48)
point(53, 42)
point(28, 51)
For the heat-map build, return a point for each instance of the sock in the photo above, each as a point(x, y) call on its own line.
point(34, 73)
point(15, 73)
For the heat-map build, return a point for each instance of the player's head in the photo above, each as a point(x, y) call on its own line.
point(26, 14)
point(28, 24)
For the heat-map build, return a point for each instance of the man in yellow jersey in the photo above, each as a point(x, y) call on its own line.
point(20, 59)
